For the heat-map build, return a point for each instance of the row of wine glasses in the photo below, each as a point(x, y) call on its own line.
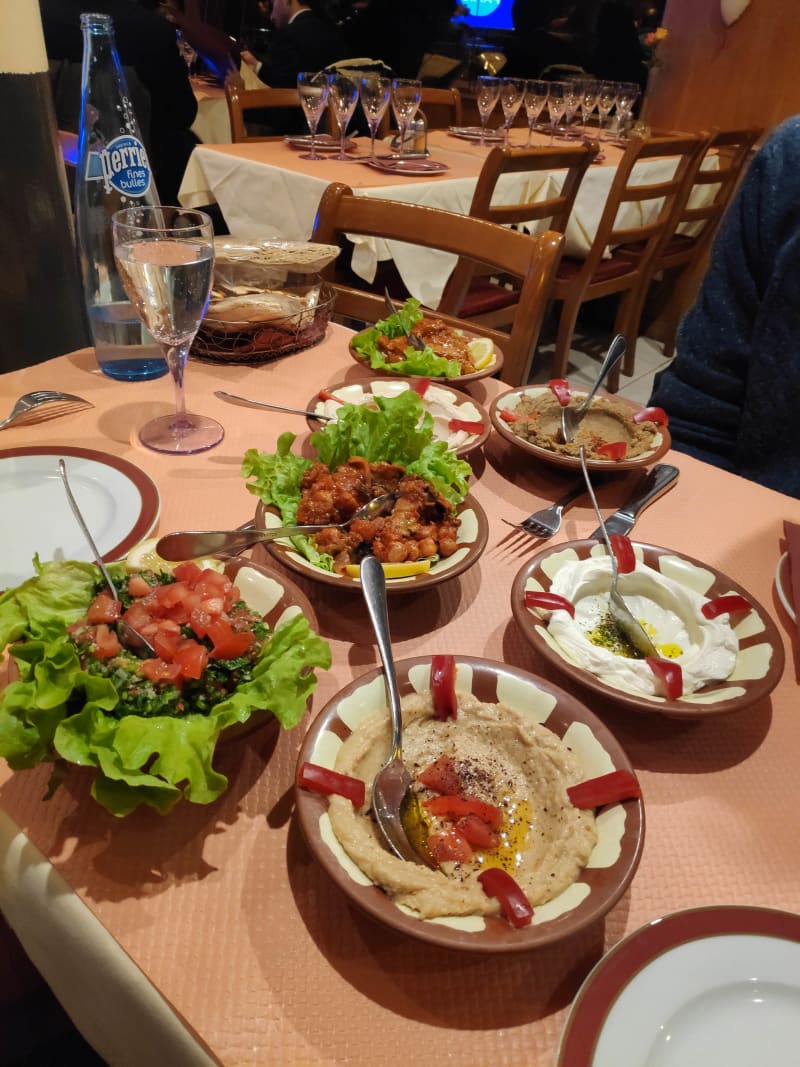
point(342, 93)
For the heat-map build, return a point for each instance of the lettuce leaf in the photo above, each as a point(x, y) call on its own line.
point(57, 709)
point(418, 363)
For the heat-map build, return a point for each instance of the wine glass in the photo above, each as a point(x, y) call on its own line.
point(375, 93)
point(627, 95)
point(165, 257)
point(606, 98)
point(488, 94)
point(572, 100)
point(313, 89)
point(556, 105)
point(588, 102)
point(405, 101)
point(535, 100)
point(512, 91)
point(343, 99)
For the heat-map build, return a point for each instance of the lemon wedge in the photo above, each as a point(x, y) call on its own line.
point(394, 570)
point(143, 557)
point(481, 349)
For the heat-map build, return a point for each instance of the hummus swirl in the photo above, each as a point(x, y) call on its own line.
point(606, 422)
point(514, 763)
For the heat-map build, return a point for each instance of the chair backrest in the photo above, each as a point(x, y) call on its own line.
point(442, 107)
point(242, 100)
point(532, 259)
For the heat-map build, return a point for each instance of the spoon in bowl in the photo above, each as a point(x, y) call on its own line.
point(571, 418)
point(128, 636)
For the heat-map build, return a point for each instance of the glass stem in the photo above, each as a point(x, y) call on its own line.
point(176, 356)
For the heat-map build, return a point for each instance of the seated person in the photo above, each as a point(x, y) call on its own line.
point(731, 391)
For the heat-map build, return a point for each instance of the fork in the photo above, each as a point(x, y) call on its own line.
point(414, 339)
point(26, 403)
point(547, 522)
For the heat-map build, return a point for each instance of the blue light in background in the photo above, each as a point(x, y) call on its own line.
point(488, 14)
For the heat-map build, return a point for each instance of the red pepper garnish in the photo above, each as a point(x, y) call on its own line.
point(454, 425)
point(441, 776)
point(514, 904)
point(561, 390)
point(324, 780)
point(443, 687)
point(605, 789)
point(420, 385)
point(669, 676)
point(731, 604)
point(458, 807)
point(623, 552)
point(548, 602)
point(613, 450)
point(657, 415)
point(507, 415)
point(325, 395)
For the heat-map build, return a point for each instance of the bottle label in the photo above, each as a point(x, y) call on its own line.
point(122, 165)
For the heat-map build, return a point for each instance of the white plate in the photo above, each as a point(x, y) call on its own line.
point(718, 985)
point(411, 165)
point(473, 133)
point(119, 502)
point(783, 585)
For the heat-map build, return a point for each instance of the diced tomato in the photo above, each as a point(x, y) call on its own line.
point(613, 450)
point(441, 776)
point(324, 394)
point(457, 807)
point(165, 642)
point(167, 596)
point(548, 602)
point(420, 385)
point(103, 609)
point(138, 587)
point(138, 615)
point(507, 415)
point(443, 687)
point(560, 389)
point(106, 642)
point(455, 425)
point(159, 671)
point(657, 415)
point(623, 552)
point(228, 644)
point(448, 846)
point(191, 657)
point(187, 572)
point(514, 905)
point(721, 605)
point(199, 620)
point(669, 677)
point(212, 584)
point(477, 832)
point(323, 780)
point(605, 789)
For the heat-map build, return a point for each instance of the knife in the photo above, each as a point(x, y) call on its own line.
point(656, 483)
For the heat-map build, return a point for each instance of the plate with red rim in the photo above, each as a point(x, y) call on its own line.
point(710, 985)
point(411, 165)
point(473, 533)
point(759, 663)
point(508, 402)
point(460, 379)
point(466, 408)
point(600, 884)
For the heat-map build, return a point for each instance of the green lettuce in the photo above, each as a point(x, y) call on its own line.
point(58, 710)
point(418, 362)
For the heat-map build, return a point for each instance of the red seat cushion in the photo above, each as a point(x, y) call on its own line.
point(615, 267)
point(485, 295)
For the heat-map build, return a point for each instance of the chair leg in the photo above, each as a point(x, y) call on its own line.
point(566, 328)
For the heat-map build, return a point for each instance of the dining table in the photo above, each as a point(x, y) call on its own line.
point(211, 935)
point(268, 190)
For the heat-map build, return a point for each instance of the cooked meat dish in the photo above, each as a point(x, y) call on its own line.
point(438, 336)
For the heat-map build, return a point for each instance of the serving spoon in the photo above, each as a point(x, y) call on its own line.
point(129, 637)
point(190, 544)
point(571, 418)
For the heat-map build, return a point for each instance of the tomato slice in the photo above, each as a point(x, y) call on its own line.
point(478, 833)
point(449, 846)
point(605, 789)
point(166, 642)
point(657, 415)
point(443, 687)
point(138, 586)
point(669, 676)
point(324, 780)
point(507, 415)
point(457, 807)
point(721, 605)
point(613, 449)
point(441, 776)
point(561, 390)
point(159, 671)
point(106, 642)
point(191, 657)
point(103, 609)
point(548, 602)
point(228, 643)
point(455, 425)
point(623, 552)
point(420, 385)
point(325, 394)
point(514, 905)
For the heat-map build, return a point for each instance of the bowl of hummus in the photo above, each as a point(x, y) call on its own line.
point(614, 431)
point(727, 661)
point(524, 741)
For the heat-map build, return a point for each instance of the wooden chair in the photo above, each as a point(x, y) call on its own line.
point(492, 302)
point(681, 257)
point(531, 259)
point(241, 100)
point(442, 107)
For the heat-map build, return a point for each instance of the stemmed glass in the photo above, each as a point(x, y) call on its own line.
point(488, 94)
point(375, 93)
point(606, 98)
point(627, 95)
point(512, 91)
point(535, 100)
point(165, 257)
point(406, 94)
point(588, 102)
point(343, 99)
point(572, 100)
point(313, 89)
point(556, 105)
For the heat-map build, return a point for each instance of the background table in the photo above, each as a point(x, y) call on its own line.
point(212, 123)
point(235, 935)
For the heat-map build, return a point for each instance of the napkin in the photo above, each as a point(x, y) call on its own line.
point(791, 532)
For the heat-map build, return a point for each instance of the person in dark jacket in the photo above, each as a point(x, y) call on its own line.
point(732, 391)
point(304, 39)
